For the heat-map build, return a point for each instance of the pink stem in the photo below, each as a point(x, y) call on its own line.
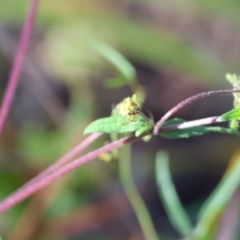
point(18, 63)
point(186, 102)
point(63, 160)
point(43, 182)
point(54, 171)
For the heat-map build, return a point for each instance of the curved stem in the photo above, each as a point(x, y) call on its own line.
point(135, 199)
point(18, 63)
point(186, 102)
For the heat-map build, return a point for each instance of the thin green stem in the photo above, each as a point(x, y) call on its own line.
point(135, 199)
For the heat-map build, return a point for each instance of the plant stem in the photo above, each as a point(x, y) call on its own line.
point(17, 65)
point(54, 172)
point(60, 162)
point(187, 101)
point(18, 196)
point(135, 199)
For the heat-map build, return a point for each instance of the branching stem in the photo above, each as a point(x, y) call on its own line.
point(186, 102)
point(18, 196)
point(54, 171)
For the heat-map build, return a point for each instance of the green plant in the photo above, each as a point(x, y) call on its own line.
point(128, 123)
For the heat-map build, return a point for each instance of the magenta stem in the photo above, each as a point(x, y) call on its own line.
point(54, 171)
point(17, 65)
point(63, 160)
point(43, 182)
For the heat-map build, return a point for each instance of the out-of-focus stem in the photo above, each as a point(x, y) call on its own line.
point(17, 65)
point(135, 199)
point(46, 180)
point(60, 162)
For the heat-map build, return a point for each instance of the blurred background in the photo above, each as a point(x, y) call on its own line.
point(178, 48)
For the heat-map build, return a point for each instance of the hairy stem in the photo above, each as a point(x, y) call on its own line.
point(135, 199)
point(186, 102)
point(17, 65)
point(54, 172)
point(62, 161)
point(43, 182)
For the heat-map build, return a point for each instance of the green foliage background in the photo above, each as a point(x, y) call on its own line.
point(191, 40)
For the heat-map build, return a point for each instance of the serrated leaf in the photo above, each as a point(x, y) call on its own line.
point(115, 82)
point(113, 124)
point(234, 114)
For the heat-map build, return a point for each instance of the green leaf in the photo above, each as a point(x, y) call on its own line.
point(233, 79)
point(121, 64)
point(142, 130)
point(182, 133)
point(173, 122)
point(195, 131)
point(115, 82)
point(223, 130)
point(186, 133)
point(216, 203)
point(116, 123)
point(234, 114)
point(169, 196)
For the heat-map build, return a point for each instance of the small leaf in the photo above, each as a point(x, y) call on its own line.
point(181, 133)
point(115, 82)
point(185, 133)
point(233, 79)
point(169, 196)
point(195, 131)
point(142, 130)
point(117, 124)
point(234, 114)
point(173, 122)
point(223, 130)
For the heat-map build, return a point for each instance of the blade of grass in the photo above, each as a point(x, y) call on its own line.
point(126, 72)
point(229, 223)
point(116, 59)
point(135, 199)
point(216, 203)
point(169, 196)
